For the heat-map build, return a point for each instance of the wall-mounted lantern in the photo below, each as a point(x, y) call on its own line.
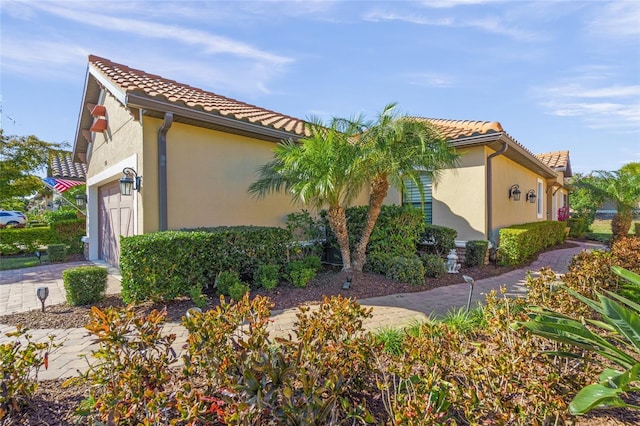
point(129, 181)
point(81, 200)
point(531, 196)
point(514, 192)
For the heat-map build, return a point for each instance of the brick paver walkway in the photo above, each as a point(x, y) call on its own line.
point(18, 288)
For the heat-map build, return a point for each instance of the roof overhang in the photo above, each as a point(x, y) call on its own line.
point(514, 152)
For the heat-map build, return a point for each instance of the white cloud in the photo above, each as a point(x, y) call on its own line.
point(428, 79)
point(619, 19)
point(445, 4)
point(210, 43)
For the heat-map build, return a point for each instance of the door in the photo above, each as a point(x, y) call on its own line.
point(115, 219)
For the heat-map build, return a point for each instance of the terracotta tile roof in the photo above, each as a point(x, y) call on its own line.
point(555, 160)
point(458, 129)
point(131, 80)
point(61, 165)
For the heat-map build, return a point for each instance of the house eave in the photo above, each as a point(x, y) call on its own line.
point(157, 108)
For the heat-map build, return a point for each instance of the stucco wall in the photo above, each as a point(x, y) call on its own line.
point(208, 174)
point(120, 140)
point(459, 197)
point(507, 211)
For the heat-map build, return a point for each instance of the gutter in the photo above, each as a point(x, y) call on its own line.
point(162, 171)
point(504, 148)
point(244, 127)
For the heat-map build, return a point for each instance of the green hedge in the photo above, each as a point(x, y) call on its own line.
point(520, 243)
point(84, 285)
point(166, 265)
point(440, 239)
point(25, 240)
point(396, 233)
point(578, 226)
point(475, 252)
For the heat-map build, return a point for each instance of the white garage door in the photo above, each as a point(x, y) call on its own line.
point(115, 220)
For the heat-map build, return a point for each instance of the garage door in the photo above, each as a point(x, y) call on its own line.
point(115, 220)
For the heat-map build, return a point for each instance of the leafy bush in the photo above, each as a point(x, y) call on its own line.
point(225, 280)
point(238, 290)
point(300, 273)
point(165, 265)
point(59, 216)
point(578, 226)
point(620, 316)
point(20, 361)
point(439, 239)
point(475, 253)
point(267, 276)
point(84, 285)
point(397, 231)
point(70, 233)
point(405, 269)
point(130, 383)
point(307, 232)
point(636, 227)
point(24, 240)
point(57, 252)
point(626, 253)
point(434, 265)
point(519, 243)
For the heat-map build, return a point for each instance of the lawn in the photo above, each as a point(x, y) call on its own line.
point(26, 261)
point(601, 230)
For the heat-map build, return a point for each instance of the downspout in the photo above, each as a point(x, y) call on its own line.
point(490, 191)
point(162, 170)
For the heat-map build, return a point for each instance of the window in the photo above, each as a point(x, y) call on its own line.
point(411, 196)
point(540, 198)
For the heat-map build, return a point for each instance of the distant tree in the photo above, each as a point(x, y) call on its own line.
point(320, 170)
point(622, 188)
point(21, 157)
point(584, 202)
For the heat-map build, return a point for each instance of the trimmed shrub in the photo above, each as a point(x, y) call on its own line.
point(300, 273)
point(475, 253)
point(165, 265)
point(70, 233)
point(24, 240)
point(225, 280)
point(238, 290)
point(397, 231)
point(57, 252)
point(84, 285)
point(578, 226)
point(267, 276)
point(313, 262)
point(406, 269)
point(626, 253)
point(439, 239)
point(519, 243)
point(60, 216)
point(434, 265)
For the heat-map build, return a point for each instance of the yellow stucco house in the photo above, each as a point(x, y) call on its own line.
point(195, 154)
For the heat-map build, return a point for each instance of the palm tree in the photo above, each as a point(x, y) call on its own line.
point(398, 149)
point(320, 170)
point(622, 188)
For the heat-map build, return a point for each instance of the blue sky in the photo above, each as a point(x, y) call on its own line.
point(556, 74)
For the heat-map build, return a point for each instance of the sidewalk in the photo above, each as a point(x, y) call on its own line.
point(18, 287)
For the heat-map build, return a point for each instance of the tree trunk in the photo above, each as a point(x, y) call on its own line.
point(379, 189)
point(338, 223)
point(621, 223)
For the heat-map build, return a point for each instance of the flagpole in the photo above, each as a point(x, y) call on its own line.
point(60, 193)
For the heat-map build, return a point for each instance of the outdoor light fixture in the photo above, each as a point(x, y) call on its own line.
point(347, 284)
point(42, 293)
point(192, 312)
point(81, 200)
point(130, 181)
point(38, 255)
point(514, 192)
point(531, 196)
point(471, 282)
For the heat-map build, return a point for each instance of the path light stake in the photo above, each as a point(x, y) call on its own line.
point(42, 293)
point(191, 312)
point(347, 283)
point(471, 282)
point(38, 255)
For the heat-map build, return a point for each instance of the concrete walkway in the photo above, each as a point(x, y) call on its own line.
point(18, 289)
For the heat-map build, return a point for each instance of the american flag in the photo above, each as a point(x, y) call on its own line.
point(61, 185)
